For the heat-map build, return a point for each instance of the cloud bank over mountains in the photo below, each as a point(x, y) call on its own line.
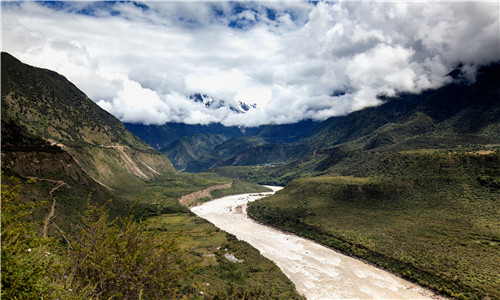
point(143, 62)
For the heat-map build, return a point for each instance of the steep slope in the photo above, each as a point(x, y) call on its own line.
point(221, 153)
point(470, 112)
point(189, 148)
point(50, 174)
point(46, 104)
point(183, 143)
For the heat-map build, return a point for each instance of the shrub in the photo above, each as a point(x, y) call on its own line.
point(25, 258)
point(121, 259)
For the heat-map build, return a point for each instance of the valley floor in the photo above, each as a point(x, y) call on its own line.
point(318, 272)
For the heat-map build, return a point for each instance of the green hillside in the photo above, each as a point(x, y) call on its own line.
point(429, 215)
point(160, 136)
point(456, 115)
point(46, 104)
point(411, 185)
point(221, 153)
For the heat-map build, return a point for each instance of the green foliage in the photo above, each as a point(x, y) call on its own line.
point(26, 260)
point(225, 151)
point(122, 259)
point(105, 258)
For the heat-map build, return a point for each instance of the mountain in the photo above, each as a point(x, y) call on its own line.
point(193, 147)
point(221, 153)
point(66, 146)
point(160, 136)
point(452, 116)
point(412, 186)
point(45, 104)
point(52, 174)
point(456, 114)
point(189, 148)
point(213, 104)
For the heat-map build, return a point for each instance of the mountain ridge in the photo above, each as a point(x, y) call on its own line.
point(46, 104)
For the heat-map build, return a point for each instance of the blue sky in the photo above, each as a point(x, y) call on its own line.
point(142, 61)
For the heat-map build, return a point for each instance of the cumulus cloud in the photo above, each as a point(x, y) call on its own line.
point(142, 62)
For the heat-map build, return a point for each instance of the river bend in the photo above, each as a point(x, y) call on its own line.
point(318, 272)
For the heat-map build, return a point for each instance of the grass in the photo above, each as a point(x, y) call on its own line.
point(255, 278)
point(218, 278)
point(426, 215)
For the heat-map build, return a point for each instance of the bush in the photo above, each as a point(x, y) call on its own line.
point(121, 259)
point(106, 258)
point(25, 258)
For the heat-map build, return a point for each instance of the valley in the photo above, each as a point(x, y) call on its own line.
point(317, 271)
point(86, 205)
point(410, 186)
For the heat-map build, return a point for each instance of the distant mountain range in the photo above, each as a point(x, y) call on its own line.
point(456, 114)
point(212, 103)
point(190, 147)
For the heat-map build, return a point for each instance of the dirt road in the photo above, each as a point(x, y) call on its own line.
point(318, 272)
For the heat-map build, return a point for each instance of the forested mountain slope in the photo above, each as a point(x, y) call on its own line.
point(457, 115)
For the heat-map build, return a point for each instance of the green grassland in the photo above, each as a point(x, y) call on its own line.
point(432, 216)
point(205, 245)
point(217, 277)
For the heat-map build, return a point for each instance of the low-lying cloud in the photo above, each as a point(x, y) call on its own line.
point(143, 62)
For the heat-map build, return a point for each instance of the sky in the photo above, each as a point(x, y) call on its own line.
point(144, 61)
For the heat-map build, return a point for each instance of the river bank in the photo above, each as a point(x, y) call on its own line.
point(318, 272)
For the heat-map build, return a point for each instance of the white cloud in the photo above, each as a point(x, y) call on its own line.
point(295, 60)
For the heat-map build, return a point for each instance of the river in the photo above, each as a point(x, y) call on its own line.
point(317, 272)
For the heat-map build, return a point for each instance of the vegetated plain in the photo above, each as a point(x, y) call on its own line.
point(205, 245)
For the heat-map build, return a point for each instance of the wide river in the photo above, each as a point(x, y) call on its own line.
point(318, 272)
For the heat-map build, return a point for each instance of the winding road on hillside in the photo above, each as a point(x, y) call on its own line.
point(318, 272)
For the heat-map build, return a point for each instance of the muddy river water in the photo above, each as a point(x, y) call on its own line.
point(318, 272)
